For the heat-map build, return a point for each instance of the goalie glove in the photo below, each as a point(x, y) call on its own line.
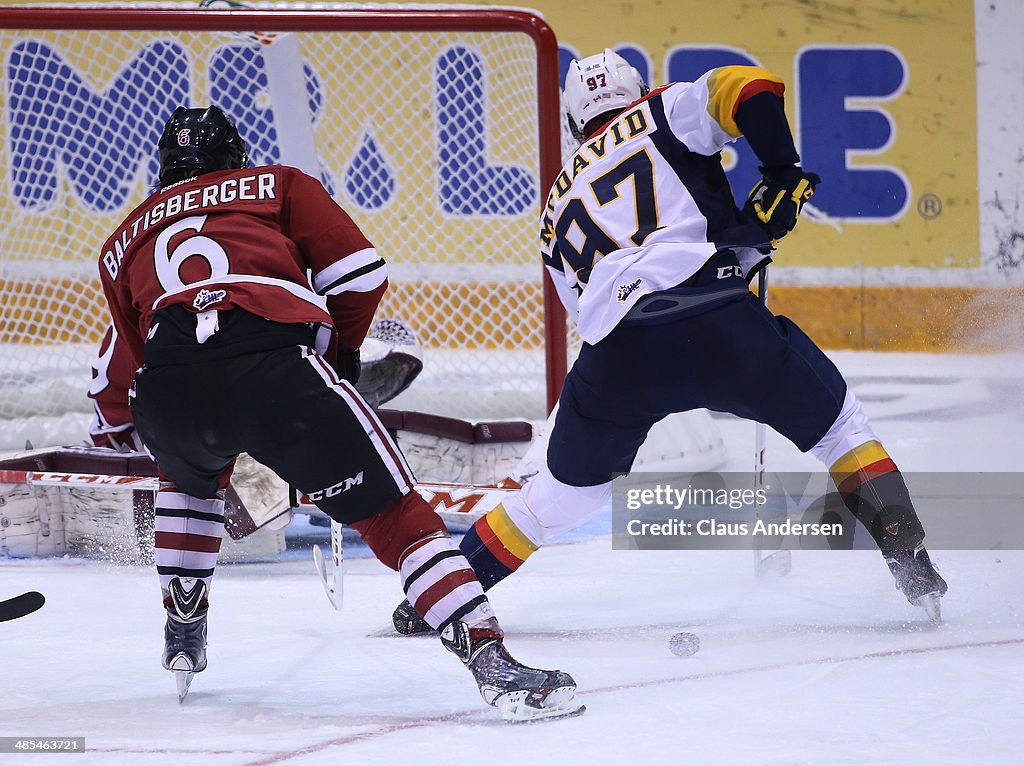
point(391, 359)
point(776, 200)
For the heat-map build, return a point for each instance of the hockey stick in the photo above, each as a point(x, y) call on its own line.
point(19, 606)
point(64, 479)
point(332, 575)
point(777, 563)
point(446, 500)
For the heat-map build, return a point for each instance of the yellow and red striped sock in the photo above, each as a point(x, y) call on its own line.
point(496, 547)
point(873, 488)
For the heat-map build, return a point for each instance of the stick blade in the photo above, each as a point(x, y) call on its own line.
point(320, 562)
point(19, 606)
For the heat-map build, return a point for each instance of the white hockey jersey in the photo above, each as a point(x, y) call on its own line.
point(645, 202)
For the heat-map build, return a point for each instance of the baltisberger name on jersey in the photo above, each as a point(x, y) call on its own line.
point(256, 187)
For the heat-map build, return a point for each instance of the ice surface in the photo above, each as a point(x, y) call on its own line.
point(827, 666)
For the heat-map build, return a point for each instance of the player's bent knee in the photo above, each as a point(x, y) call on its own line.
point(392, 532)
point(548, 507)
point(850, 430)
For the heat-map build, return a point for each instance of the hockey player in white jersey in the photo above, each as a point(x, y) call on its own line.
point(651, 255)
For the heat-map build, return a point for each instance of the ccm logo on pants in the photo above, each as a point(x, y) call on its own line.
point(342, 486)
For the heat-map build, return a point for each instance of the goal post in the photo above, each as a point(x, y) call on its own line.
point(437, 128)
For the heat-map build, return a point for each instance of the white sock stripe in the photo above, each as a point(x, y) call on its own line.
point(386, 449)
point(169, 557)
point(179, 501)
point(435, 574)
point(478, 615)
point(424, 553)
point(189, 526)
point(441, 610)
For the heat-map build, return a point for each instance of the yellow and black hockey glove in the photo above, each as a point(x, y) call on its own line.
point(776, 200)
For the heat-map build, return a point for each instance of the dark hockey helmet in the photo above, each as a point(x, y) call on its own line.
point(197, 141)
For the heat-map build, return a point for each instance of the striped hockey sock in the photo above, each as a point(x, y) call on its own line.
point(873, 489)
point(188, 535)
point(441, 585)
point(496, 547)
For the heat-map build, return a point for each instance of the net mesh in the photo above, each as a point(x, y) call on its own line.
point(428, 139)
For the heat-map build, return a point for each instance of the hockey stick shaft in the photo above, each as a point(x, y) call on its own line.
point(63, 479)
point(776, 563)
point(760, 434)
point(443, 496)
point(452, 502)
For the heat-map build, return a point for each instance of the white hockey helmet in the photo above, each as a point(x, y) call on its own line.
point(599, 84)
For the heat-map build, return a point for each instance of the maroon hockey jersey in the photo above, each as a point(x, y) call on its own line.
point(112, 373)
point(244, 238)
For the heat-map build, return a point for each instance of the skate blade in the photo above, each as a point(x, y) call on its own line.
point(183, 678)
point(775, 565)
point(560, 703)
point(932, 607)
point(183, 671)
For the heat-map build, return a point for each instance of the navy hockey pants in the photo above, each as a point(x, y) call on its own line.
point(736, 358)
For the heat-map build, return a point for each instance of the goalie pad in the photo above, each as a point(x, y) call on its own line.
point(464, 470)
point(444, 449)
point(94, 502)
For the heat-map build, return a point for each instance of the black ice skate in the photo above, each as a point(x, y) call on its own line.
point(185, 632)
point(408, 622)
point(917, 579)
point(521, 693)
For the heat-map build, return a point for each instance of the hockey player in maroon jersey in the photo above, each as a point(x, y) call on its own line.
point(239, 352)
point(650, 254)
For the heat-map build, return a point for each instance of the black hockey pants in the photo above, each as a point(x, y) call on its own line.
point(285, 406)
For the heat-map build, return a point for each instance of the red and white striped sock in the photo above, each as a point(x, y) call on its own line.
point(410, 537)
point(188, 535)
point(441, 584)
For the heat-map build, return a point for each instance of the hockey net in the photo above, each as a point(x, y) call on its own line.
point(438, 130)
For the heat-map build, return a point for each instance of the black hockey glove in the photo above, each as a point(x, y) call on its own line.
point(776, 200)
point(348, 365)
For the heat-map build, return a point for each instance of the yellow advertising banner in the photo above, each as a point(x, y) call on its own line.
point(881, 96)
point(882, 99)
